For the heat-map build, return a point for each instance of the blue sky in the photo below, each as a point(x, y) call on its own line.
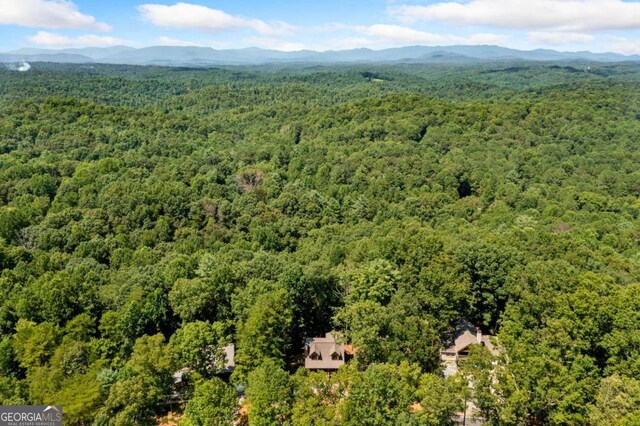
point(568, 25)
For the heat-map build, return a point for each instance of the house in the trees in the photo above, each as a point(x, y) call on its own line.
point(325, 354)
point(181, 377)
point(230, 359)
point(458, 343)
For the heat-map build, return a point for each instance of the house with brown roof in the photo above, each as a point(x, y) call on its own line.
point(325, 353)
point(458, 343)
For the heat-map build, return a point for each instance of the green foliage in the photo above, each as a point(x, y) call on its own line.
point(213, 403)
point(480, 370)
point(265, 333)
point(382, 396)
point(318, 396)
point(488, 267)
point(438, 400)
point(81, 397)
point(376, 281)
point(34, 343)
point(364, 324)
point(199, 347)
point(142, 386)
point(12, 221)
point(617, 402)
point(8, 364)
point(270, 393)
point(266, 206)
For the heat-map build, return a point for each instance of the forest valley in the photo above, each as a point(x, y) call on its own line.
point(151, 216)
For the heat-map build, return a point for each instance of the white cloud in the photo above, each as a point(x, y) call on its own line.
point(559, 15)
point(168, 41)
point(624, 45)
point(559, 38)
point(262, 42)
point(398, 35)
point(330, 27)
point(47, 14)
point(192, 16)
point(44, 38)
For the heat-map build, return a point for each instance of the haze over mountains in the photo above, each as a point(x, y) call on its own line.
point(203, 56)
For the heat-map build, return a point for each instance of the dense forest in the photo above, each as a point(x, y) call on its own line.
point(150, 216)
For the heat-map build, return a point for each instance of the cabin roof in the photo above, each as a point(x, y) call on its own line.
point(324, 353)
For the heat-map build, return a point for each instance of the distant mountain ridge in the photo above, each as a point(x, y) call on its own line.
point(203, 56)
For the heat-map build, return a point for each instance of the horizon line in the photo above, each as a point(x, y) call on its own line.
point(60, 49)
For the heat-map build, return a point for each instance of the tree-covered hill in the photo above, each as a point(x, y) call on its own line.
point(149, 216)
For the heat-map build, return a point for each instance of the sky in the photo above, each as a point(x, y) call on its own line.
point(565, 25)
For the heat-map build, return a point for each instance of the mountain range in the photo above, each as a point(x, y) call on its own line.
point(204, 56)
